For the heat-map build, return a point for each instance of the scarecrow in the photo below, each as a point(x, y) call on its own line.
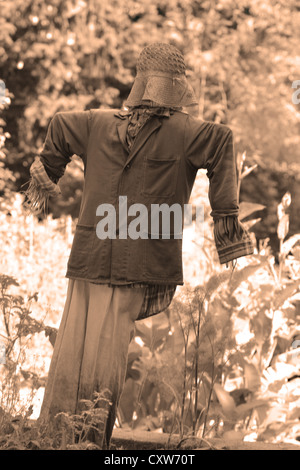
point(150, 152)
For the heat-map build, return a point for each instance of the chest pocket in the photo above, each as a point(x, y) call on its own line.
point(160, 176)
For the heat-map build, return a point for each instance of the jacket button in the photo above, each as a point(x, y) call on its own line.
point(127, 166)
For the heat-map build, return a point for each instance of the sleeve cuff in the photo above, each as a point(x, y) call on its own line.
point(40, 188)
point(232, 239)
point(42, 179)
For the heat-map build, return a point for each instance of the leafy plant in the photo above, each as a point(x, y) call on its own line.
point(84, 430)
point(216, 363)
point(18, 327)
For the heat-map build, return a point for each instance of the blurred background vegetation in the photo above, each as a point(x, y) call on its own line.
point(241, 55)
point(63, 55)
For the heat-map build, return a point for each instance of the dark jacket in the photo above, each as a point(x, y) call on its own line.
point(160, 168)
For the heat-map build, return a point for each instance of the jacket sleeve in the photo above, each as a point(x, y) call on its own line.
point(67, 135)
point(210, 146)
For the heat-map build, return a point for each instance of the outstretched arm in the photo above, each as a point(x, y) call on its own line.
point(68, 134)
point(210, 146)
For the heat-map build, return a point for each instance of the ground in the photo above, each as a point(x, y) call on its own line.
point(143, 440)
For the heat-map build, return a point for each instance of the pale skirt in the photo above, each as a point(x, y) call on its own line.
point(91, 348)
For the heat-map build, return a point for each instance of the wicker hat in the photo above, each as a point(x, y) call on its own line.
point(161, 78)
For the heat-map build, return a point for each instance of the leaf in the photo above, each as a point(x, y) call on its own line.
point(33, 297)
point(175, 341)
point(283, 227)
point(248, 208)
point(134, 352)
point(133, 358)
point(240, 395)
point(136, 370)
point(261, 325)
point(251, 377)
point(285, 293)
point(8, 280)
point(34, 445)
point(286, 200)
point(241, 157)
point(296, 253)
point(226, 400)
point(243, 410)
point(214, 283)
point(51, 333)
point(243, 274)
point(248, 170)
point(152, 332)
point(250, 223)
point(289, 243)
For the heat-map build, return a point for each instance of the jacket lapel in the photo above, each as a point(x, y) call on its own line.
point(142, 137)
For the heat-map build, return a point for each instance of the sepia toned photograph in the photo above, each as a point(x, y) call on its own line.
point(149, 227)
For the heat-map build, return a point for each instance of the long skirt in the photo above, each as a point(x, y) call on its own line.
point(91, 349)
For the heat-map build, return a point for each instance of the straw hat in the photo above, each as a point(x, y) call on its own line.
point(161, 78)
